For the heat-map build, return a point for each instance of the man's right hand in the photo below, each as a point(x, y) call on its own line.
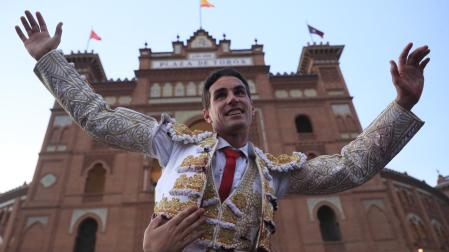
point(175, 234)
point(39, 41)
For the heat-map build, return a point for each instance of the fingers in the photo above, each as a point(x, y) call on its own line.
point(20, 33)
point(182, 215)
point(404, 54)
point(193, 236)
point(156, 222)
point(26, 25)
point(58, 31)
point(41, 21)
point(191, 219)
point(423, 64)
point(417, 55)
point(394, 72)
point(32, 21)
point(197, 225)
point(422, 53)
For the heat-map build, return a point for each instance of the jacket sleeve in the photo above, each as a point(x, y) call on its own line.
point(120, 127)
point(361, 159)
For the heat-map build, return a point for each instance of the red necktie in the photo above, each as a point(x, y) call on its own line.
point(228, 173)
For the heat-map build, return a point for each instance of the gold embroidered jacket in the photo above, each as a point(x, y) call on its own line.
point(185, 180)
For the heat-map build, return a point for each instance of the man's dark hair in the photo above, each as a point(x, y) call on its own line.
point(214, 76)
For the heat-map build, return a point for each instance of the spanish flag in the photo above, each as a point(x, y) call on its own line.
point(206, 4)
point(94, 35)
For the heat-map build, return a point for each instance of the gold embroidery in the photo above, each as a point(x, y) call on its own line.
point(239, 200)
point(182, 129)
point(211, 211)
point(264, 240)
point(282, 159)
point(229, 216)
point(268, 212)
point(209, 234)
point(267, 187)
point(198, 161)
point(195, 182)
point(208, 142)
point(173, 206)
point(226, 237)
point(210, 193)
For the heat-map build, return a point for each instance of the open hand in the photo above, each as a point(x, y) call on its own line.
point(175, 234)
point(39, 41)
point(409, 78)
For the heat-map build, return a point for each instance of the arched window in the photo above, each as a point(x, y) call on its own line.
point(200, 88)
point(155, 90)
point(86, 236)
point(95, 180)
point(179, 89)
point(191, 89)
point(417, 226)
point(167, 90)
point(330, 230)
point(303, 124)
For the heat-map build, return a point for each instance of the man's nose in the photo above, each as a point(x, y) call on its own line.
point(232, 98)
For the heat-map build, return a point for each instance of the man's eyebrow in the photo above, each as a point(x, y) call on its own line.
point(220, 90)
point(239, 87)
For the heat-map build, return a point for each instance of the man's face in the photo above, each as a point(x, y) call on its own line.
point(230, 109)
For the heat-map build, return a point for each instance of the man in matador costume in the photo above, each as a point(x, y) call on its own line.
point(231, 182)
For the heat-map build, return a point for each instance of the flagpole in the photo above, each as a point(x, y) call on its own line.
point(88, 41)
point(87, 46)
point(201, 24)
point(310, 34)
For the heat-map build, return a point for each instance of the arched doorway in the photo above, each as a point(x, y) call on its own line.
point(329, 227)
point(86, 236)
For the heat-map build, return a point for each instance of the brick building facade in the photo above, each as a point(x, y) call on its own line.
point(85, 195)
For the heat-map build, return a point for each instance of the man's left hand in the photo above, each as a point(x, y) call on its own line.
point(175, 234)
point(409, 78)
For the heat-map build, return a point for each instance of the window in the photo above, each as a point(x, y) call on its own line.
point(330, 230)
point(86, 236)
point(252, 86)
point(95, 180)
point(155, 90)
point(179, 89)
point(191, 89)
point(303, 124)
point(167, 90)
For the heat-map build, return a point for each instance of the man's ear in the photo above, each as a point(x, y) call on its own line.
point(206, 116)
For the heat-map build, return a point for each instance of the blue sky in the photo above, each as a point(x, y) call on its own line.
point(373, 32)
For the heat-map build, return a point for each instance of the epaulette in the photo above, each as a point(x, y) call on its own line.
point(181, 133)
point(283, 162)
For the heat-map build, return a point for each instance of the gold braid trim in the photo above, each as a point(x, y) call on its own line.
point(171, 207)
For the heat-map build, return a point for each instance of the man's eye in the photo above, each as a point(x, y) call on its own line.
point(219, 96)
point(240, 92)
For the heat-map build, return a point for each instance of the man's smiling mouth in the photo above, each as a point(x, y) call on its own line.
point(236, 111)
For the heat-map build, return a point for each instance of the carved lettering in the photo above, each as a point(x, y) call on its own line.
point(199, 61)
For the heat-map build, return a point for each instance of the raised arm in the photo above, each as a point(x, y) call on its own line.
point(119, 127)
point(377, 145)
